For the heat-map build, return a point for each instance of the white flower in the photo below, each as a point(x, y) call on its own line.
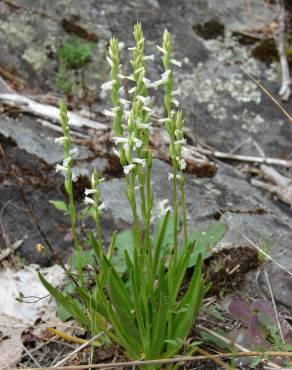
point(131, 77)
point(102, 206)
point(149, 57)
point(132, 90)
point(116, 152)
point(166, 74)
point(90, 191)
point(110, 62)
point(119, 140)
point(144, 99)
point(164, 78)
point(147, 109)
point(183, 164)
point(146, 81)
point(74, 177)
point(170, 176)
point(162, 208)
point(122, 91)
point(176, 62)
point(121, 45)
point(128, 168)
point(66, 161)
point(180, 142)
point(109, 113)
point(127, 113)
point(60, 140)
point(163, 120)
point(125, 102)
point(121, 76)
point(74, 152)
point(138, 143)
point(141, 161)
point(141, 69)
point(175, 102)
point(156, 84)
point(144, 126)
point(107, 85)
point(60, 168)
point(161, 49)
point(176, 92)
point(132, 48)
point(88, 200)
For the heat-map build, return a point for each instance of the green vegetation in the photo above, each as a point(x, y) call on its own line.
point(73, 55)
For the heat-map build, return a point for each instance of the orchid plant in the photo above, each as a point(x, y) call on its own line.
point(144, 312)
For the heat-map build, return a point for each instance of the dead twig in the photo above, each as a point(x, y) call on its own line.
point(172, 360)
point(282, 186)
point(48, 111)
point(11, 249)
point(234, 344)
point(245, 158)
point(285, 90)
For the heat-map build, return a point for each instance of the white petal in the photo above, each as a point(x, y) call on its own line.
point(108, 85)
point(66, 161)
point(110, 62)
point(149, 57)
point(74, 152)
point(90, 191)
point(180, 142)
point(138, 143)
point(132, 90)
point(60, 168)
point(161, 49)
point(183, 164)
point(141, 161)
point(175, 102)
point(102, 206)
point(109, 113)
point(60, 140)
point(144, 99)
point(88, 200)
point(176, 92)
point(128, 168)
point(117, 153)
point(119, 140)
point(176, 62)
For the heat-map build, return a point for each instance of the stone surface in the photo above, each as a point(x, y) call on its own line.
point(223, 106)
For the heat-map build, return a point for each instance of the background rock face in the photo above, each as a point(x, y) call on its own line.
point(223, 108)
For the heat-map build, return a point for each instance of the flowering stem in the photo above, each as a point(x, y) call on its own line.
point(184, 209)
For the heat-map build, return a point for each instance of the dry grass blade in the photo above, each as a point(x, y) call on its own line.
point(260, 250)
point(171, 361)
point(278, 105)
point(84, 345)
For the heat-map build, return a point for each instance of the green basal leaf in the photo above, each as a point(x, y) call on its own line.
point(72, 306)
point(60, 206)
point(123, 242)
point(87, 259)
point(63, 314)
point(206, 238)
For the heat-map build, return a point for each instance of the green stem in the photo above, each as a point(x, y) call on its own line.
point(184, 209)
